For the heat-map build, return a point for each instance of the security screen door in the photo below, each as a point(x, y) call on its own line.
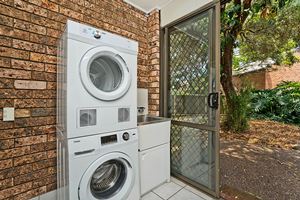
point(190, 98)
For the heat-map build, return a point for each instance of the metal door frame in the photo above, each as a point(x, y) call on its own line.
point(214, 60)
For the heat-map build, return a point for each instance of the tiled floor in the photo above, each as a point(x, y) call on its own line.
point(175, 190)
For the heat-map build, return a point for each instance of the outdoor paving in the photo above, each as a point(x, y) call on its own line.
point(269, 173)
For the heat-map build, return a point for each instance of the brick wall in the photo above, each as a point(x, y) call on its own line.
point(29, 30)
point(282, 73)
point(269, 78)
point(153, 81)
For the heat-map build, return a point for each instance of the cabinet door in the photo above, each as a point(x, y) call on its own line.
point(154, 167)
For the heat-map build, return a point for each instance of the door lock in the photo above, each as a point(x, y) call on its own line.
point(213, 100)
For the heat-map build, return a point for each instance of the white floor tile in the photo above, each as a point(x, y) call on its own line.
point(151, 196)
point(199, 193)
point(185, 195)
point(167, 190)
point(178, 182)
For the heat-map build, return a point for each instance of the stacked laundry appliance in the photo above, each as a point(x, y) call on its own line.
point(97, 141)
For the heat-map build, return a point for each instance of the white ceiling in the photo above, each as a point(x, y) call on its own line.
point(148, 5)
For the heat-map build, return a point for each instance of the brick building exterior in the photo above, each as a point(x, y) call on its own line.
point(269, 78)
point(29, 30)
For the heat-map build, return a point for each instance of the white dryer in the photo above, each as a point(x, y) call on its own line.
point(97, 81)
point(99, 167)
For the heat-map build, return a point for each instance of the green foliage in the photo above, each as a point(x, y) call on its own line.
point(237, 113)
point(272, 37)
point(279, 104)
point(259, 29)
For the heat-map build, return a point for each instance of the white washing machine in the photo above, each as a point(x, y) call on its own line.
point(99, 167)
point(97, 81)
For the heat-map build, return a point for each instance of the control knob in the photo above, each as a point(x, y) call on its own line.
point(97, 34)
point(125, 136)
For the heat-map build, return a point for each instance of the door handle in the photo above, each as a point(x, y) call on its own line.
point(213, 100)
point(84, 152)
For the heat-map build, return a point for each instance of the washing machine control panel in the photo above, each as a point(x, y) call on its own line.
point(91, 145)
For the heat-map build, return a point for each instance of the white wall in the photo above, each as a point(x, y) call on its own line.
point(179, 8)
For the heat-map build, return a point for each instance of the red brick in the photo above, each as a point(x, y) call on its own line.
point(45, 4)
point(29, 46)
point(42, 58)
point(8, 84)
point(30, 8)
point(11, 153)
point(15, 190)
point(30, 103)
point(30, 27)
point(11, 32)
point(30, 177)
point(4, 164)
point(70, 13)
point(12, 12)
point(50, 85)
point(6, 183)
point(37, 121)
point(12, 73)
point(6, 144)
point(39, 112)
point(14, 133)
point(13, 53)
point(29, 158)
point(44, 129)
point(10, 93)
point(5, 41)
point(15, 171)
point(44, 164)
point(5, 62)
point(19, 113)
point(24, 141)
point(27, 65)
point(32, 193)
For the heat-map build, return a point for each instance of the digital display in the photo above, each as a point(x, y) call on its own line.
point(109, 139)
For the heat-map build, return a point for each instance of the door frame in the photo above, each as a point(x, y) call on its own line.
point(215, 5)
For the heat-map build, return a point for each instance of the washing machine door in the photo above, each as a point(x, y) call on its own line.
point(104, 73)
point(111, 177)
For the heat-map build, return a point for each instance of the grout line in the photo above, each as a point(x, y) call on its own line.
point(176, 193)
point(158, 195)
point(181, 187)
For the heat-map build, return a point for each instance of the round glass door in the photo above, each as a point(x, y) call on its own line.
point(104, 73)
point(109, 177)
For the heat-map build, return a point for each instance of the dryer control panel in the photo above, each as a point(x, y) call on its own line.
point(78, 31)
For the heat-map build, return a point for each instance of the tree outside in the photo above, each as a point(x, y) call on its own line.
point(255, 30)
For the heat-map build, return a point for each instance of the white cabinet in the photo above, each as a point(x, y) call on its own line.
point(154, 167)
point(154, 155)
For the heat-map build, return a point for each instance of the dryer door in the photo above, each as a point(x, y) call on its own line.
point(104, 73)
point(109, 177)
